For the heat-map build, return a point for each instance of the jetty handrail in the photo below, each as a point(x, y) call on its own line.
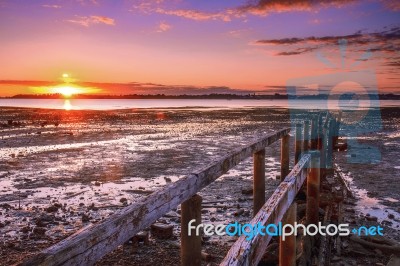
point(91, 243)
point(250, 252)
point(313, 156)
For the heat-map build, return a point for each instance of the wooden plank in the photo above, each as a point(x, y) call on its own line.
point(249, 252)
point(90, 244)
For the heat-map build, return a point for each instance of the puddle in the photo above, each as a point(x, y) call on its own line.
point(370, 205)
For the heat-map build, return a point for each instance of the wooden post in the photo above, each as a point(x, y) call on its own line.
point(313, 184)
point(259, 180)
point(337, 128)
point(284, 156)
point(298, 144)
point(314, 132)
point(324, 149)
point(190, 245)
point(320, 131)
point(329, 145)
point(333, 131)
point(306, 136)
point(287, 247)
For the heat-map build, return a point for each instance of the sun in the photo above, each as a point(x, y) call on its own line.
point(66, 91)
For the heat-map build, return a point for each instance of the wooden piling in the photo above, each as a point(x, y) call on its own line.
point(320, 131)
point(190, 245)
point(329, 145)
point(284, 156)
point(333, 133)
point(313, 184)
point(337, 128)
point(314, 132)
point(323, 150)
point(287, 247)
point(298, 144)
point(259, 180)
point(306, 136)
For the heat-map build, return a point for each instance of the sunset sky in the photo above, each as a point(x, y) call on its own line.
point(191, 46)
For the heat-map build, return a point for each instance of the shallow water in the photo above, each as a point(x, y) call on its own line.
point(125, 154)
point(372, 206)
point(114, 159)
point(114, 104)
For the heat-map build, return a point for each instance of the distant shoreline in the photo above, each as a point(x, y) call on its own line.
point(277, 96)
point(199, 104)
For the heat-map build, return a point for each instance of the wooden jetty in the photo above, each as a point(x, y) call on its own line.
point(91, 243)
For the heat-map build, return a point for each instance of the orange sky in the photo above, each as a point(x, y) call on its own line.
point(171, 47)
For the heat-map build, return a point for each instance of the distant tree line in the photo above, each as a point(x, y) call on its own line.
point(345, 96)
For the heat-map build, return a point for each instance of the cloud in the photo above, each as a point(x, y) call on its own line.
point(52, 6)
point(386, 41)
point(239, 33)
point(257, 8)
point(88, 2)
point(264, 7)
point(163, 27)
point(298, 51)
point(146, 6)
point(27, 82)
point(124, 88)
point(153, 88)
point(194, 14)
point(392, 5)
point(394, 64)
point(88, 21)
point(252, 7)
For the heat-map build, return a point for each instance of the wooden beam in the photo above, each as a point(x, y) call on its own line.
point(91, 243)
point(258, 180)
point(250, 252)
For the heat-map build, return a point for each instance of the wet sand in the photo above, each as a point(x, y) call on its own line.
point(62, 170)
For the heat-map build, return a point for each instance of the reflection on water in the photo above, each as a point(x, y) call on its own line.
point(67, 105)
point(112, 104)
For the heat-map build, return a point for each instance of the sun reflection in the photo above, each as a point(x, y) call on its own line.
point(67, 105)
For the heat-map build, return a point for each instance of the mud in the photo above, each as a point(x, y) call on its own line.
point(62, 170)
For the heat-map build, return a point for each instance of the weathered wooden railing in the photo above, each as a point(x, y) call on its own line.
point(90, 244)
point(249, 252)
point(280, 207)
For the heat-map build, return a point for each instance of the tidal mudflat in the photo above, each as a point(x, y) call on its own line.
point(63, 170)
